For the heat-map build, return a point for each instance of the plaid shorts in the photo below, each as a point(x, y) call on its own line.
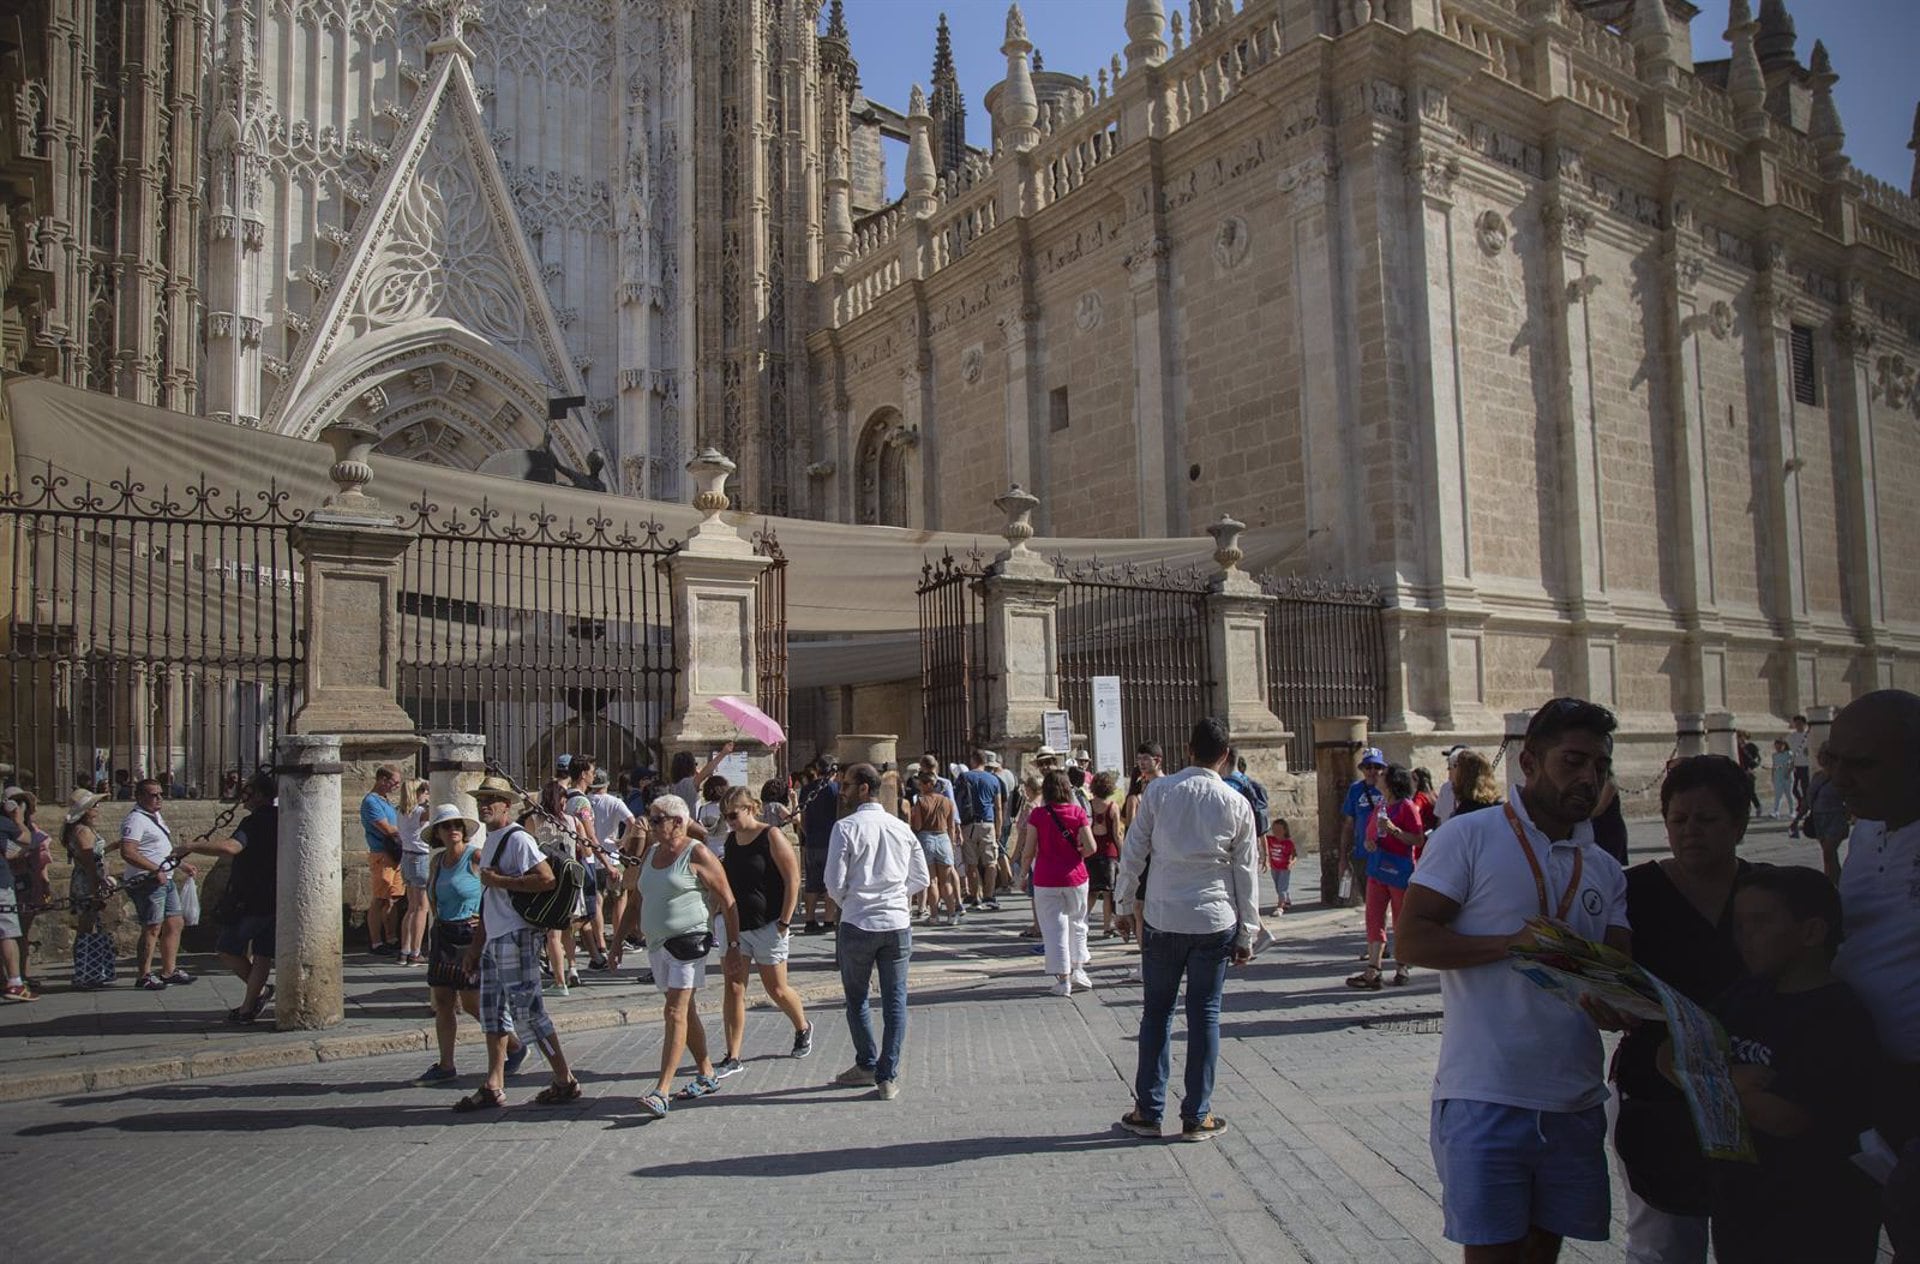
point(510, 1001)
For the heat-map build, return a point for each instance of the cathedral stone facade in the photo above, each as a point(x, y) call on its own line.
point(1599, 359)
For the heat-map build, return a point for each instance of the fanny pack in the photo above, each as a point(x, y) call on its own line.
point(691, 946)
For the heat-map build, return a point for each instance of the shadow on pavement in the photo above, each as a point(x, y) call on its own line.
point(941, 1153)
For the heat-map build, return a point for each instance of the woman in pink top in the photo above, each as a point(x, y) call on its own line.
point(1054, 844)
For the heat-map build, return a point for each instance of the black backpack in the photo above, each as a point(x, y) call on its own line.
point(551, 909)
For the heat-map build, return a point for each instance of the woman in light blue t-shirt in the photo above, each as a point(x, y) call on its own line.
point(453, 890)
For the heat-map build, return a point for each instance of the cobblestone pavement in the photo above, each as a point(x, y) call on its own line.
point(1001, 1146)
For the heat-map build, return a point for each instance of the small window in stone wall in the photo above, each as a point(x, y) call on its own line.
point(1806, 380)
point(1057, 415)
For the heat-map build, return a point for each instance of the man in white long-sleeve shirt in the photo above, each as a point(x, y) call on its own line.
point(1201, 913)
point(874, 869)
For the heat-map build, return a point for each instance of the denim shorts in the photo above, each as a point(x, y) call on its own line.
point(249, 932)
point(1505, 1169)
point(154, 900)
point(937, 845)
point(413, 868)
point(764, 945)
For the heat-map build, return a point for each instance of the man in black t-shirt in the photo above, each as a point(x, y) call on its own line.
point(819, 812)
point(246, 909)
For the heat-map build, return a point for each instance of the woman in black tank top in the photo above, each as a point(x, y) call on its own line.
point(764, 872)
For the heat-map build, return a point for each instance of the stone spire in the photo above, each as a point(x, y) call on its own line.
point(839, 213)
point(1914, 145)
point(922, 177)
point(1652, 31)
point(947, 106)
point(837, 22)
point(1777, 37)
point(1823, 125)
point(1146, 33)
point(1018, 107)
point(1746, 84)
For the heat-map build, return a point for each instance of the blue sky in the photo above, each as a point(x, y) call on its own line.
point(1872, 43)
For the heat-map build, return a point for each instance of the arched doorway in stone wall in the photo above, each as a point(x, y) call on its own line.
point(880, 471)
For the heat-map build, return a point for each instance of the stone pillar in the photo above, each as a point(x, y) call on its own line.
point(350, 552)
point(1723, 738)
point(1021, 599)
point(1515, 738)
point(715, 614)
point(1689, 734)
point(1237, 614)
point(878, 749)
point(455, 764)
point(1336, 748)
point(1159, 435)
point(308, 932)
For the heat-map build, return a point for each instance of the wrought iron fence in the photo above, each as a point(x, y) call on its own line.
point(953, 655)
point(1326, 655)
point(549, 637)
point(145, 634)
point(1146, 624)
point(770, 640)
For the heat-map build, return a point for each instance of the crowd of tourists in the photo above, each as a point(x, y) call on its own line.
point(1813, 974)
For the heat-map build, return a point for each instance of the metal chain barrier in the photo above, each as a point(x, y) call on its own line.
point(539, 809)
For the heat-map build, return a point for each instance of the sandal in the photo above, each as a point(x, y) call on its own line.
point(558, 1094)
point(1402, 976)
point(485, 1097)
point(1368, 980)
point(702, 1086)
point(656, 1104)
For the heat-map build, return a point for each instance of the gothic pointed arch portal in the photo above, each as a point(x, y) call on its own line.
point(439, 394)
point(880, 471)
point(435, 327)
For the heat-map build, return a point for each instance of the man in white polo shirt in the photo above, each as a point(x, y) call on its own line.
point(1518, 1123)
point(1874, 750)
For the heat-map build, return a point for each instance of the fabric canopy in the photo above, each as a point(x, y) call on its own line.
point(851, 603)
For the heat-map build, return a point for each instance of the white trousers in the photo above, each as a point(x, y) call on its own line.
point(1063, 926)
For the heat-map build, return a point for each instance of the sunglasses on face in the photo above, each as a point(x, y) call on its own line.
point(660, 820)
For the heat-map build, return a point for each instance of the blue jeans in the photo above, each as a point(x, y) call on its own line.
point(1165, 958)
point(859, 952)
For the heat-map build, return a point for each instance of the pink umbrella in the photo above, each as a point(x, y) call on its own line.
point(751, 720)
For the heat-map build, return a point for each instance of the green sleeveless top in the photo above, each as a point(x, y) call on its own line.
point(672, 901)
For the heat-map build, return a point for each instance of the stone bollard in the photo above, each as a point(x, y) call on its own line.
point(1689, 734)
point(1516, 737)
point(1723, 737)
point(455, 764)
point(307, 932)
point(1336, 747)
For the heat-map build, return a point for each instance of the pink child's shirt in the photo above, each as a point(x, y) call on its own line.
point(1280, 851)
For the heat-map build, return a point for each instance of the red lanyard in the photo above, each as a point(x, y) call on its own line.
point(1539, 878)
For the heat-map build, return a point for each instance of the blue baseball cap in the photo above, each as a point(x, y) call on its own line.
point(1372, 755)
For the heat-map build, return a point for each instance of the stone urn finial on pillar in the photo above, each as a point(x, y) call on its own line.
point(1226, 541)
point(710, 470)
point(1018, 504)
point(351, 445)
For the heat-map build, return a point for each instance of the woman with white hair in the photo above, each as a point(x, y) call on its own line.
point(679, 878)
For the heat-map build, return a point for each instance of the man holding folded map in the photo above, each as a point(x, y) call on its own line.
point(1518, 1123)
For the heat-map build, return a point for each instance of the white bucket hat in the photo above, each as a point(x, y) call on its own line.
point(81, 802)
point(446, 814)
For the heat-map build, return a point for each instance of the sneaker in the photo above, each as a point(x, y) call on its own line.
point(973, 901)
point(1061, 987)
point(634, 941)
point(384, 950)
point(517, 1058)
point(811, 928)
point(573, 978)
point(179, 978)
point(436, 1074)
point(889, 1089)
point(557, 990)
point(1202, 1129)
point(1081, 982)
point(803, 1042)
point(855, 1077)
point(598, 963)
point(727, 1066)
point(151, 983)
point(21, 992)
point(1139, 1125)
point(989, 906)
